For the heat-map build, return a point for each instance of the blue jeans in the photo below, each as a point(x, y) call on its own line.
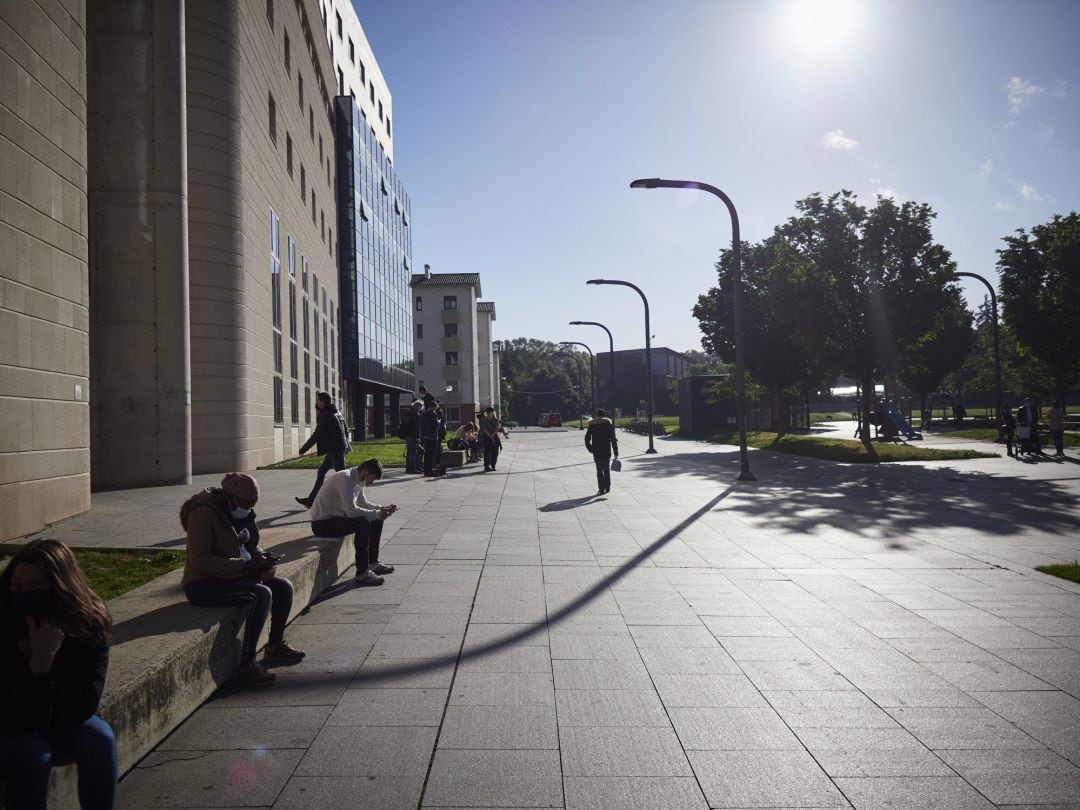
point(273, 596)
point(335, 460)
point(26, 759)
point(411, 443)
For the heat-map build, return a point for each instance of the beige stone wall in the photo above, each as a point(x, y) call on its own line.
point(44, 354)
point(237, 172)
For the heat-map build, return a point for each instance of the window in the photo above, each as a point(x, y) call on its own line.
point(449, 330)
point(453, 414)
point(273, 119)
point(300, 89)
point(371, 91)
point(419, 358)
point(322, 226)
point(419, 304)
point(341, 82)
point(275, 309)
point(380, 111)
point(303, 184)
point(313, 220)
point(288, 54)
point(451, 386)
point(270, 12)
point(295, 404)
point(419, 331)
point(288, 153)
point(363, 73)
point(339, 28)
point(352, 51)
point(451, 358)
point(389, 134)
point(307, 403)
point(279, 401)
point(449, 302)
point(311, 123)
point(320, 149)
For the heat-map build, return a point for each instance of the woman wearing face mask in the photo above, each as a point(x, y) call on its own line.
point(54, 650)
point(225, 566)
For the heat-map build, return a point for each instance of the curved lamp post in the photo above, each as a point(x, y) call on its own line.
point(611, 357)
point(736, 284)
point(592, 370)
point(997, 347)
point(648, 351)
point(580, 374)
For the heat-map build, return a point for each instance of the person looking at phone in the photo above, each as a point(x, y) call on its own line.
point(225, 566)
point(341, 507)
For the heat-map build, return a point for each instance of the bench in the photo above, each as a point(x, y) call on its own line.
point(168, 656)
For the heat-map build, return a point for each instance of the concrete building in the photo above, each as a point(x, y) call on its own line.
point(487, 364)
point(629, 395)
point(447, 339)
point(173, 302)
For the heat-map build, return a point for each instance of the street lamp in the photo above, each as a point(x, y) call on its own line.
point(648, 351)
point(611, 357)
point(581, 376)
point(592, 369)
point(736, 284)
point(997, 348)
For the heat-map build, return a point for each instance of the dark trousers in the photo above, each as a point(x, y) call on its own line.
point(334, 460)
point(1059, 441)
point(26, 759)
point(273, 596)
point(366, 536)
point(603, 472)
point(491, 450)
point(411, 452)
point(431, 454)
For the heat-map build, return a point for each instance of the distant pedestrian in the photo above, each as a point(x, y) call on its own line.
point(1027, 424)
point(429, 435)
point(1008, 428)
point(54, 652)
point(489, 438)
point(343, 508)
point(410, 432)
point(331, 440)
point(1055, 420)
point(601, 441)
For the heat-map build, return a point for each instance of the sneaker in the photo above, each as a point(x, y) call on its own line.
point(304, 502)
point(381, 569)
point(254, 674)
point(282, 653)
point(368, 578)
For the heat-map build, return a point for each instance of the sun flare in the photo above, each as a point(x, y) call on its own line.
point(821, 25)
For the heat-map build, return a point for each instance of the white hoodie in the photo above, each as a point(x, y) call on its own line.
point(342, 495)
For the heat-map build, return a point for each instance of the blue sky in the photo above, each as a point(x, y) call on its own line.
point(519, 125)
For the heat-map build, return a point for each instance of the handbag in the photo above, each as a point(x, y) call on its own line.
point(616, 465)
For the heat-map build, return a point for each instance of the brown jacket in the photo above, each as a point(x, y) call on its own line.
point(213, 546)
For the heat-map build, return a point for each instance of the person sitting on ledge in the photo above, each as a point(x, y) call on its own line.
point(225, 566)
point(341, 508)
point(54, 651)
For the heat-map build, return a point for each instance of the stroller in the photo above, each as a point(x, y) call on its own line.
point(1027, 441)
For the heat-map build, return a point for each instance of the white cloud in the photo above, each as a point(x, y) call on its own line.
point(838, 139)
point(1029, 192)
point(884, 191)
point(1044, 134)
point(987, 168)
point(1001, 205)
point(1061, 89)
point(1020, 92)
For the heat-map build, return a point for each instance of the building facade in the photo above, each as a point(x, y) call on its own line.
point(487, 363)
point(447, 338)
point(668, 366)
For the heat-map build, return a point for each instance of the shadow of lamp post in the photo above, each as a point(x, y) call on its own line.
point(736, 284)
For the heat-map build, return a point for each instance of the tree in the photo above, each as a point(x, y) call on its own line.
point(1040, 288)
point(928, 359)
point(536, 380)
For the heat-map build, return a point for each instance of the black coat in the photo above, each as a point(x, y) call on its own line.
point(600, 439)
point(330, 434)
point(430, 426)
point(66, 694)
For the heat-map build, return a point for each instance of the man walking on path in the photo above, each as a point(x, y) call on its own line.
point(489, 437)
point(600, 440)
point(341, 507)
point(331, 440)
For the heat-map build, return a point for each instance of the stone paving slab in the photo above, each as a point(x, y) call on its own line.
point(828, 636)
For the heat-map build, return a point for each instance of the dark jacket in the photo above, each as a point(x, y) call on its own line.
point(331, 435)
point(66, 694)
point(410, 425)
point(600, 439)
point(213, 541)
point(430, 427)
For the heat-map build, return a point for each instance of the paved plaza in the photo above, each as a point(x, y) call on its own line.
point(828, 636)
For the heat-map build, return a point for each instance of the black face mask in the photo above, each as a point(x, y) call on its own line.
point(39, 603)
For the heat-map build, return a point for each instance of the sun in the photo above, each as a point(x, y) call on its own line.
point(820, 26)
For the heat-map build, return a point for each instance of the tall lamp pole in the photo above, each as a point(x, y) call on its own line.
point(592, 370)
point(580, 374)
point(997, 347)
point(736, 279)
point(648, 351)
point(611, 357)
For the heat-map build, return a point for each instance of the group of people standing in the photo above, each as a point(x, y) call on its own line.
point(1021, 432)
point(424, 430)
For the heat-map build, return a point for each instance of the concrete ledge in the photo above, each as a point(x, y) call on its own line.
point(169, 656)
point(453, 458)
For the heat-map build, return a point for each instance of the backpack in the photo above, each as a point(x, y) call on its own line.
point(346, 443)
point(405, 429)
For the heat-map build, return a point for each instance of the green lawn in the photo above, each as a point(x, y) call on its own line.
point(670, 423)
point(112, 572)
point(391, 452)
point(837, 416)
point(1070, 572)
point(847, 450)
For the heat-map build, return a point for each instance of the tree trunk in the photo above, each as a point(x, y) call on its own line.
point(867, 385)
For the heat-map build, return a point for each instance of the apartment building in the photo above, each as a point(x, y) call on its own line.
point(487, 362)
point(447, 340)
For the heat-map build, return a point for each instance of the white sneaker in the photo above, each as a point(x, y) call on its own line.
point(369, 577)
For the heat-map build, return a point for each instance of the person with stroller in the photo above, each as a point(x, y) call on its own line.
point(1008, 429)
point(1055, 421)
point(1027, 428)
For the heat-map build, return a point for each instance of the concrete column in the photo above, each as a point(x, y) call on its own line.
point(140, 387)
point(378, 414)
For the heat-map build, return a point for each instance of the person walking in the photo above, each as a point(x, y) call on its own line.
point(429, 435)
point(489, 438)
point(1055, 420)
point(601, 441)
point(342, 507)
point(331, 440)
point(1008, 428)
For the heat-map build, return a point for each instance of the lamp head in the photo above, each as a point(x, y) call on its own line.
point(577, 323)
point(597, 281)
point(646, 182)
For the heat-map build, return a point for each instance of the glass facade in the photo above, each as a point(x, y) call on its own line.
point(375, 257)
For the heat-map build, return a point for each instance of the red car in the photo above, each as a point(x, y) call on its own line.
point(550, 420)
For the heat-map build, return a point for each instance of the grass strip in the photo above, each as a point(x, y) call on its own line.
point(1069, 571)
point(390, 451)
point(846, 450)
point(112, 572)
